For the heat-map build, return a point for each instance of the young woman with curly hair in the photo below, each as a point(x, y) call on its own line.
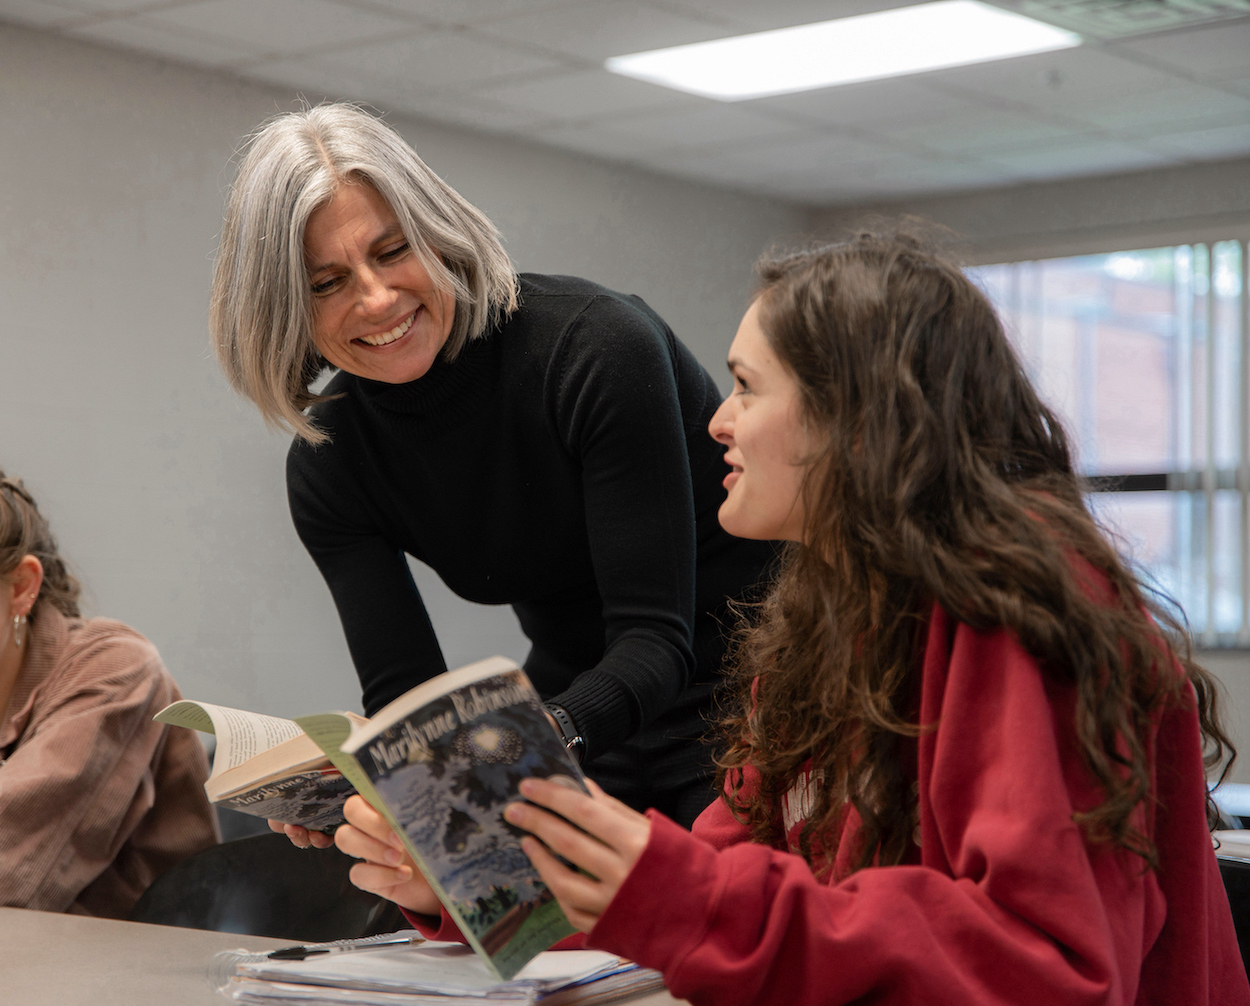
point(968, 757)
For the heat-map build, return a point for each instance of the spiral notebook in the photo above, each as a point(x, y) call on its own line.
point(440, 974)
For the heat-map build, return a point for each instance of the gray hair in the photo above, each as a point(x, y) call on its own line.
point(261, 313)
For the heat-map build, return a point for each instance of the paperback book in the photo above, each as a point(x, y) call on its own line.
point(267, 766)
point(440, 763)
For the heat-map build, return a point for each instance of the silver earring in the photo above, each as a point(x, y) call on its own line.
point(19, 629)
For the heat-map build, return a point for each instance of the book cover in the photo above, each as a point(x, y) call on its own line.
point(312, 799)
point(444, 761)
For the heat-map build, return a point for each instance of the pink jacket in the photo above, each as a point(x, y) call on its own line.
point(96, 800)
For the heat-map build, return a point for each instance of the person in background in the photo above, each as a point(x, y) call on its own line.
point(96, 800)
point(965, 764)
point(536, 440)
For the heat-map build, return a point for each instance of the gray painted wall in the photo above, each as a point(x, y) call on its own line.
point(166, 491)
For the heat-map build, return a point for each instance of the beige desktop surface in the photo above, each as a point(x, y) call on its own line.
point(69, 960)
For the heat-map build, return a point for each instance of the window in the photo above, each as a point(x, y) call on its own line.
point(1145, 356)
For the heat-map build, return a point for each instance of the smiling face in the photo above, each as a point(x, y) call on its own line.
point(761, 424)
point(377, 312)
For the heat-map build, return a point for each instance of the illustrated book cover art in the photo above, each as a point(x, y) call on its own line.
point(441, 762)
point(267, 766)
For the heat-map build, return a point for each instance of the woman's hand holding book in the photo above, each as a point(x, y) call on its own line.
point(387, 870)
point(597, 833)
point(302, 837)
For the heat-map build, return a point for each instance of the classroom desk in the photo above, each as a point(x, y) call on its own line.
point(70, 960)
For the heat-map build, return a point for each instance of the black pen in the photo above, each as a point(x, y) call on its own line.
point(300, 953)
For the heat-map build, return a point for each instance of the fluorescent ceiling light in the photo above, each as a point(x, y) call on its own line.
point(889, 43)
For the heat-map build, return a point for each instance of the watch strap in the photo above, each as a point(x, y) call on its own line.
point(574, 742)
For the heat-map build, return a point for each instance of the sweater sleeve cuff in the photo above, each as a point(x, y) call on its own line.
point(441, 928)
point(601, 710)
point(644, 921)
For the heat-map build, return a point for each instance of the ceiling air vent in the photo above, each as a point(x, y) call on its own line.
point(1107, 19)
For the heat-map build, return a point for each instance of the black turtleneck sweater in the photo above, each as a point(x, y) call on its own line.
point(560, 464)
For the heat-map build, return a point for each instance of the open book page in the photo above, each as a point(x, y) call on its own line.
point(328, 731)
point(240, 735)
point(267, 766)
point(443, 771)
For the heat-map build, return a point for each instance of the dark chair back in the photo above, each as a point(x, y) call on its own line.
point(265, 886)
point(1236, 875)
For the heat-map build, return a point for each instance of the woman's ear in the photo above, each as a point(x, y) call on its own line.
point(24, 582)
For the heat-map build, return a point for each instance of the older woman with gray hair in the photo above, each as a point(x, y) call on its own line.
point(537, 440)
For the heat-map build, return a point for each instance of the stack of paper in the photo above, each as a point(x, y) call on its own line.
point(439, 974)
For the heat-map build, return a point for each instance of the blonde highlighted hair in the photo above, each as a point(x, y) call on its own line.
point(261, 311)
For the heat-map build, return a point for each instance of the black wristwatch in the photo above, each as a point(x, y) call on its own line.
point(574, 743)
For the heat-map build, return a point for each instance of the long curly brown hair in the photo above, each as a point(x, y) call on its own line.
point(942, 478)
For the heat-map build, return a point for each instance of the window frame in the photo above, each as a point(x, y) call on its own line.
point(1209, 478)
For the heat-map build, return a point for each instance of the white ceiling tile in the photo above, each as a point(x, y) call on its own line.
point(145, 36)
point(979, 129)
point(834, 181)
point(722, 168)
point(703, 126)
point(585, 94)
point(1052, 79)
point(882, 178)
point(1237, 85)
point(728, 176)
point(1203, 144)
point(752, 15)
point(1148, 111)
point(81, 7)
point(474, 113)
point(926, 176)
point(815, 154)
point(280, 26)
point(595, 141)
point(438, 58)
point(733, 169)
point(123, 6)
point(316, 81)
point(465, 12)
point(1084, 156)
point(596, 29)
point(120, 6)
point(1207, 53)
point(1114, 19)
point(896, 101)
point(316, 78)
point(678, 137)
point(886, 185)
point(532, 68)
point(37, 13)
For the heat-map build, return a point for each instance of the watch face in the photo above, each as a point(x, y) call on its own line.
point(576, 746)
